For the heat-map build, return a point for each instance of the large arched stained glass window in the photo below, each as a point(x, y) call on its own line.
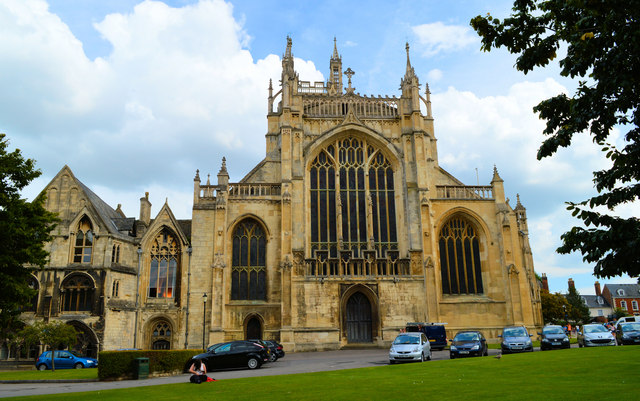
point(460, 258)
point(163, 271)
point(248, 272)
point(84, 242)
point(349, 181)
point(78, 292)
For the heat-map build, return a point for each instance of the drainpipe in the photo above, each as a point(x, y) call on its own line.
point(135, 328)
point(186, 336)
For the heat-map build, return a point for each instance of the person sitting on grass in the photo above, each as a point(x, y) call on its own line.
point(199, 372)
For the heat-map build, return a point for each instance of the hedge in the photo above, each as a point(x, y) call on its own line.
point(115, 365)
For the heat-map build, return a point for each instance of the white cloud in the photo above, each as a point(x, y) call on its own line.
point(178, 91)
point(437, 37)
point(434, 75)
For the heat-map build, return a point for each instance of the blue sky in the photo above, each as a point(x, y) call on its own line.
point(136, 95)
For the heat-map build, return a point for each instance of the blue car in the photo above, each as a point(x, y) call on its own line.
point(65, 360)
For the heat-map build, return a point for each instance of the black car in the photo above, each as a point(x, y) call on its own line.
point(276, 347)
point(234, 354)
point(553, 337)
point(628, 333)
point(271, 349)
point(468, 343)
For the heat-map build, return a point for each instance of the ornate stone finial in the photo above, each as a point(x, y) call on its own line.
point(287, 53)
point(223, 168)
point(496, 176)
point(208, 179)
point(146, 195)
point(335, 55)
point(197, 177)
point(349, 73)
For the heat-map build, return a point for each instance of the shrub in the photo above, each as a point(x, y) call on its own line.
point(116, 365)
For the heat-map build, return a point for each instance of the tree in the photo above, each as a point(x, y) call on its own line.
point(619, 312)
point(552, 307)
point(579, 311)
point(24, 228)
point(55, 335)
point(603, 53)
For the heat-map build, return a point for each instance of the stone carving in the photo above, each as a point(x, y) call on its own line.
point(286, 263)
point(218, 261)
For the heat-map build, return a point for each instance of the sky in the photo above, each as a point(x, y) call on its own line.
point(135, 96)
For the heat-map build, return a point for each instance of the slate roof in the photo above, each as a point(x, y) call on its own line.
point(630, 290)
point(592, 301)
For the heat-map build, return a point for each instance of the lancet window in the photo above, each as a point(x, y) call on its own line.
point(352, 200)
point(460, 262)
point(248, 272)
point(163, 271)
point(84, 242)
point(78, 293)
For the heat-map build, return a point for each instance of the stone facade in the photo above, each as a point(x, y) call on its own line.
point(347, 230)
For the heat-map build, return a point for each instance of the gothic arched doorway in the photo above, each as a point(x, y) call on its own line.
point(254, 329)
point(359, 319)
point(87, 342)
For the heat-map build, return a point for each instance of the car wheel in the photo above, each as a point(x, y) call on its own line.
point(422, 358)
point(486, 352)
point(253, 363)
point(392, 362)
point(78, 366)
point(42, 367)
point(451, 356)
point(273, 358)
point(429, 356)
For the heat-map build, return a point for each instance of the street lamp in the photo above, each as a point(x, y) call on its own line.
point(204, 318)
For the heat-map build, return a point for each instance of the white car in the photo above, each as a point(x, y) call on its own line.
point(595, 335)
point(409, 347)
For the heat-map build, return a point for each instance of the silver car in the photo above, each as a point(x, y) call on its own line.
point(408, 347)
point(595, 335)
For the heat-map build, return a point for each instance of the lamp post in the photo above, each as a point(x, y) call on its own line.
point(204, 318)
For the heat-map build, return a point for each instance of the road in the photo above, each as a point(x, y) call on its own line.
point(301, 362)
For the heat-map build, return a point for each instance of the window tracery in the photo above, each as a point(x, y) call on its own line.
point(78, 293)
point(84, 242)
point(248, 272)
point(460, 261)
point(163, 270)
point(350, 181)
point(161, 335)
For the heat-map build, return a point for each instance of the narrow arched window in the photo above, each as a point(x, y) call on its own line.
point(163, 270)
point(115, 253)
point(249, 272)
point(33, 305)
point(84, 242)
point(78, 293)
point(460, 262)
point(161, 335)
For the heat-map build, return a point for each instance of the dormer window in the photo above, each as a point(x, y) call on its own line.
point(84, 242)
point(600, 301)
point(621, 292)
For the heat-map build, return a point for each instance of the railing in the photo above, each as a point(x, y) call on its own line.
point(464, 192)
point(245, 190)
point(208, 191)
point(363, 107)
point(349, 267)
point(306, 87)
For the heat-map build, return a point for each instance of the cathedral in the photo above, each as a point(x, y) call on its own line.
point(347, 229)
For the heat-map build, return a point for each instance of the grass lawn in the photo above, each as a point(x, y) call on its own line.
point(574, 374)
point(59, 374)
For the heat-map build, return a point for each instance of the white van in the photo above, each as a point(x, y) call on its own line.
point(626, 319)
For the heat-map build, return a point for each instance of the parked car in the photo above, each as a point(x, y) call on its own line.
point(279, 350)
point(595, 335)
point(234, 354)
point(408, 347)
point(271, 349)
point(65, 360)
point(553, 337)
point(515, 339)
point(628, 333)
point(468, 343)
point(627, 319)
point(435, 332)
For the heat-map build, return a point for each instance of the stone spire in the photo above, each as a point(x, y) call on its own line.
point(335, 70)
point(223, 175)
point(427, 94)
point(409, 84)
point(288, 71)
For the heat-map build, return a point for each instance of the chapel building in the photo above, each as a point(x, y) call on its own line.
point(348, 229)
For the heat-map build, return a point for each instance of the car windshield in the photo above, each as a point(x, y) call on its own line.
point(515, 332)
point(595, 329)
point(466, 337)
point(630, 327)
point(552, 330)
point(407, 340)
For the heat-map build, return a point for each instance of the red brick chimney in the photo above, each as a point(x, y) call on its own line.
point(597, 285)
point(545, 282)
point(572, 284)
